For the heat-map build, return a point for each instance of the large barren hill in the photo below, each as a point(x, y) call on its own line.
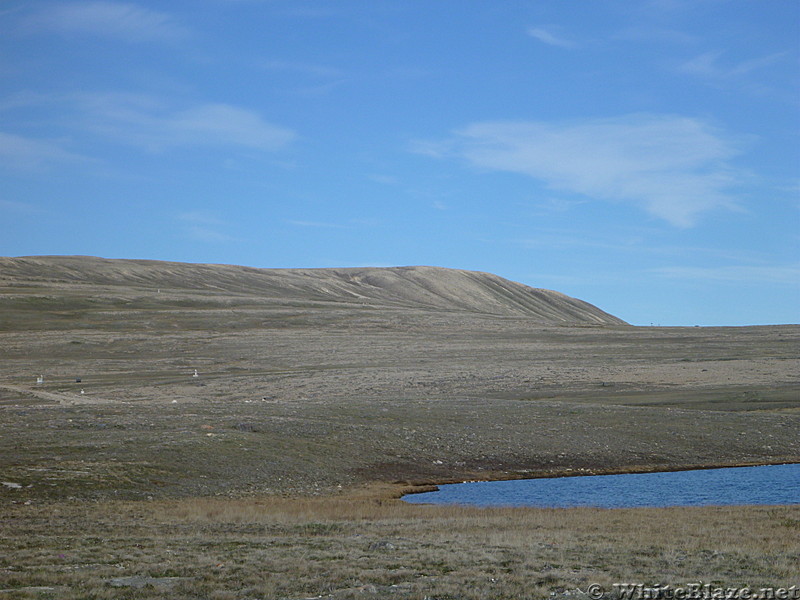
point(428, 288)
point(308, 380)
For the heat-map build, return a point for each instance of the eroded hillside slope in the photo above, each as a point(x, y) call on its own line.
point(426, 288)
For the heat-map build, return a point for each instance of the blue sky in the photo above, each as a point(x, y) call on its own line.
point(642, 156)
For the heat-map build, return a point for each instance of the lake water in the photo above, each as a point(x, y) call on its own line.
point(774, 484)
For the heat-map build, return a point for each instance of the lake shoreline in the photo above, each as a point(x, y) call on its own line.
point(424, 487)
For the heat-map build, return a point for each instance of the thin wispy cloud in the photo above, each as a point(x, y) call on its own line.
point(205, 234)
point(24, 99)
point(710, 65)
point(301, 68)
point(780, 274)
point(203, 226)
point(309, 12)
point(564, 241)
point(637, 242)
point(676, 168)
point(546, 36)
point(384, 179)
point(21, 208)
point(146, 122)
point(21, 152)
point(654, 34)
point(555, 205)
point(200, 218)
point(118, 20)
point(323, 89)
point(316, 224)
point(226, 124)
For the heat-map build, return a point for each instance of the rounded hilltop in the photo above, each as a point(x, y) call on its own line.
point(411, 287)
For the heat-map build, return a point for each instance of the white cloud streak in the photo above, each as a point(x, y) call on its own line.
point(782, 274)
point(650, 34)
point(674, 167)
point(143, 121)
point(205, 227)
point(225, 124)
point(117, 20)
point(200, 218)
point(547, 37)
point(204, 234)
point(28, 153)
point(709, 65)
point(316, 224)
point(22, 208)
point(302, 68)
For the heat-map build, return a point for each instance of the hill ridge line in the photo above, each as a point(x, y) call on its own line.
point(422, 287)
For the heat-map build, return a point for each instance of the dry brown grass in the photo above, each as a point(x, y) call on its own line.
point(368, 545)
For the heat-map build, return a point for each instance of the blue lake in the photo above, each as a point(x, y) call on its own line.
point(774, 484)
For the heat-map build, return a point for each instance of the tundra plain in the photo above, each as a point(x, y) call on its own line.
point(322, 396)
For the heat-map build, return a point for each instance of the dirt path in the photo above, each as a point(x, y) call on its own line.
point(64, 399)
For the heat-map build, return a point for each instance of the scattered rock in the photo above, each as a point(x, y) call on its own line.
point(247, 427)
point(382, 545)
point(141, 581)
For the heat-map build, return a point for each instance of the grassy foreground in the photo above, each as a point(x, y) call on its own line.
point(365, 546)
